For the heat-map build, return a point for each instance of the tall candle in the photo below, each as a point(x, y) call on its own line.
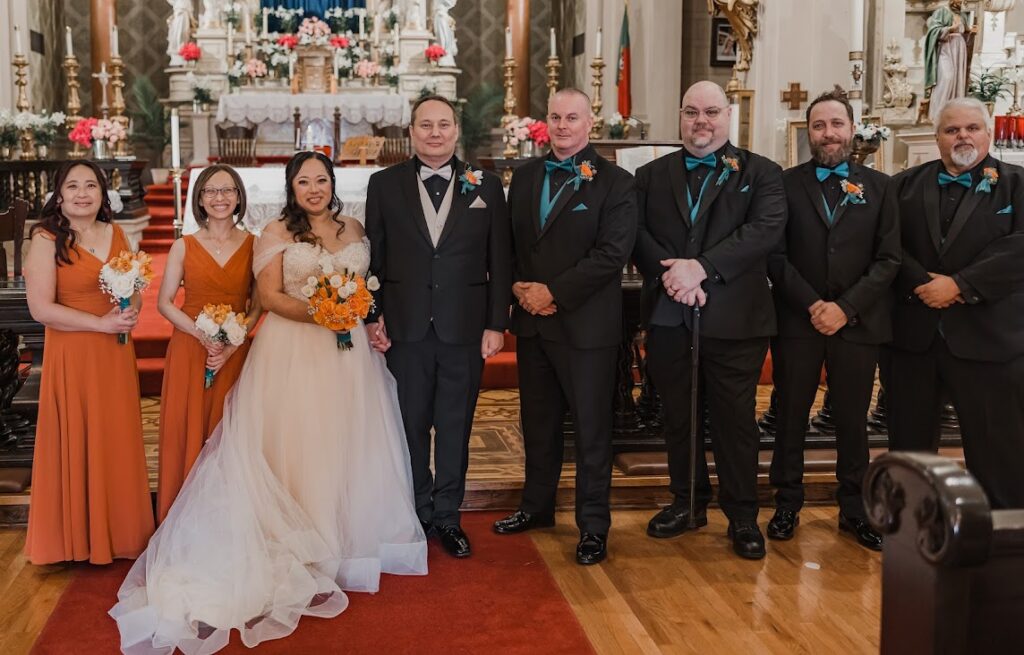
point(362, 26)
point(734, 121)
point(597, 43)
point(67, 42)
point(554, 50)
point(309, 137)
point(291, 68)
point(114, 50)
point(17, 41)
point(397, 36)
point(266, 14)
point(335, 64)
point(508, 43)
point(376, 31)
point(247, 19)
point(857, 25)
point(231, 40)
point(175, 140)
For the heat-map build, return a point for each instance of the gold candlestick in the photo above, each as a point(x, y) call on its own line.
point(117, 104)
point(510, 103)
point(179, 214)
point(597, 79)
point(20, 63)
point(74, 103)
point(553, 67)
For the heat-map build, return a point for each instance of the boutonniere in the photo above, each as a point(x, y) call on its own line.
point(585, 172)
point(854, 193)
point(732, 165)
point(470, 180)
point(989, 178)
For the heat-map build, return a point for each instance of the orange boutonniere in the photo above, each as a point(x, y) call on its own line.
point(731, 165)
point(989, 178)
point(854, 193)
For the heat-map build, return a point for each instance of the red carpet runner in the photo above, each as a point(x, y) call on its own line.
point(502, 600)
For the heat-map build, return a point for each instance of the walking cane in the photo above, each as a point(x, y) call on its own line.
point(694, 414)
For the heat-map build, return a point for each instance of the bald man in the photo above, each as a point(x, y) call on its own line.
point(958, 322)
point(709, 215)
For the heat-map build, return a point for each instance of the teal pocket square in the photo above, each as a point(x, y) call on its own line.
point(580, 208)
point(745, 189)
point(1006, 210)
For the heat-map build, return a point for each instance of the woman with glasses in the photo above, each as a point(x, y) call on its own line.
point(215, 265)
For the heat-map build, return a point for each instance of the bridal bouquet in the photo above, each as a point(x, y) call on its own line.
point(338, 301)
point(219, 323)
point(122, 276)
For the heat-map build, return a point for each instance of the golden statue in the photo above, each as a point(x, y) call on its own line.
point(742, 17)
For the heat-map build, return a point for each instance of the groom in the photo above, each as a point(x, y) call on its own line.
point(440, 242)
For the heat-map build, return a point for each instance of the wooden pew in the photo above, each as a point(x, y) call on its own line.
point(952, 568)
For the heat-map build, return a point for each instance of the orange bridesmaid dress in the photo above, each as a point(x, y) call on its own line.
point(90, 493)
point(188, 411)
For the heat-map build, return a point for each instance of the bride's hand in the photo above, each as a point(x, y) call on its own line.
point(378, 335)
point(216, 360)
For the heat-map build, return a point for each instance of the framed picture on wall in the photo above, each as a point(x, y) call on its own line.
point(723, 43)
point(797, 146)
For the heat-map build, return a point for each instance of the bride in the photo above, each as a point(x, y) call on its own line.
point(304, 489)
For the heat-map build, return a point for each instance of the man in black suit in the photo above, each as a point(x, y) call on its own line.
point(440, 242)
point(574, 221)
point(709, 216)
point(958, 321)
point(831, 279)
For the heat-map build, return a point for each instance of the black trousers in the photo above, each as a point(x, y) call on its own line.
point(554, 377)
point(989, 402)
point(438, 385)
point(729, 371)
point(796, 369)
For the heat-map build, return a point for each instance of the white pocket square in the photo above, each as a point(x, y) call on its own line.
point(478, 203)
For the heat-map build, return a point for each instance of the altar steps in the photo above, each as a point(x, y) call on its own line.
point(159, 198)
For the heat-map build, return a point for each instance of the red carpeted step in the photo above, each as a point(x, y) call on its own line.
point(160, 231)
point(161, 246)
point(151, 375)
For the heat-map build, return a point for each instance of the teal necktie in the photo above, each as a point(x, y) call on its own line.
point(963, 179)
point(547, 203)
point(706, 160)
point(842, 170)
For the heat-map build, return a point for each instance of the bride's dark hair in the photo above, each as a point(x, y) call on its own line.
point(294, 216)
point(52, 218)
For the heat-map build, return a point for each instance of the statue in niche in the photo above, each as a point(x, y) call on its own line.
point(415, 15)
point(179, 29)
point(742, 17)
point(947, 59)
point(444, 30)
point(898, 92)
point(210, 18)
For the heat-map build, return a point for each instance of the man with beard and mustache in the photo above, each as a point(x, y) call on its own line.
point(831, 279)
point(710, 214)
point(958, 321)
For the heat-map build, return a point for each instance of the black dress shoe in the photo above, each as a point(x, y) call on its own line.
point(454, 540)
point(520, 521)
point(783, 524)
point(592, 548)
point(673, 521)
point(747, 540)
point(865, 534)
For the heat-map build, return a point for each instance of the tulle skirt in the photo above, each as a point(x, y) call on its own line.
point(303, 492)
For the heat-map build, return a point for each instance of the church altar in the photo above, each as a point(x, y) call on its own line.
point(358, 108)
point(265, 195)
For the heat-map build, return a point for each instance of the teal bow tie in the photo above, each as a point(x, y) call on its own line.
point(564, 165)
point(706, 160)
point(842, 170)
point(945, 179)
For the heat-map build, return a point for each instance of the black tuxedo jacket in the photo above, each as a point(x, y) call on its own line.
point(579, 254)
point(983, 252)
point(739, 222)
point(851, 262)
point(464, 284)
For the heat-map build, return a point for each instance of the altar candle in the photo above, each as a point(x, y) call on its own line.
point(309, 137)
point(291, 68)
point(175, 140)
point(554, 50)
point(67, 42)
point(397, 36)
point(857, 26)
point(597, 43)
point(734, 120)
point(231, 40)
point(17, 41)
point(335, 64)
point(114, 50)
point(376, 31)
point(247, 19)
point(362, 26)
point(508, 43)
point(266, 14)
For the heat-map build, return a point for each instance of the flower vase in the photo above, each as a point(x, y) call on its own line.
point(6, 152)
point(861, 148)
point(527, 149)
point(100, 149)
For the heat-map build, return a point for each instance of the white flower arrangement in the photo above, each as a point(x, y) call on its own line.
point(870, 131)
point(220, 324)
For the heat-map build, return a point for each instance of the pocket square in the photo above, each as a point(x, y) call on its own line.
point(745, 189)
point(580, 208)
point(1006, 210)
point(478, 203)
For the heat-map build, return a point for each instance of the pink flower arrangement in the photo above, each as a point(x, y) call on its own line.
point(82, 132)
point(108, 130)
point(255, 68)
point(434, 52)
point(314, 28)
point(288, 41)
point(339, 42)
point(190, 51)
point(366, 68)
point(539, 133)
point(519, 130)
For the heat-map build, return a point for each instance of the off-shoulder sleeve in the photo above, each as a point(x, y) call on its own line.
point(267, 247)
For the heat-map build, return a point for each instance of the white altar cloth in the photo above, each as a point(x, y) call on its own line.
point(265, 194)
point(381, 109)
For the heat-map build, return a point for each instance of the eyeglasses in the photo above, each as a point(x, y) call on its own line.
point(228, 192)
point(691, 114)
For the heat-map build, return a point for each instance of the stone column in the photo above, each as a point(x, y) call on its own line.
point(101, 13)
point(518, 12)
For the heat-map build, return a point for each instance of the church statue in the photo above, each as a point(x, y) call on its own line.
point(210, 18)
point(444, 31)
point(946, 56)
point(415, 15)
point(742, 17)
point(179, 29)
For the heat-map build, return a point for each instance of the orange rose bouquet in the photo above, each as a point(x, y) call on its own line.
point(338, 301)
point(219, 323)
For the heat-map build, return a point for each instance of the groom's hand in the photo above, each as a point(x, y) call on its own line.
point(492, 343)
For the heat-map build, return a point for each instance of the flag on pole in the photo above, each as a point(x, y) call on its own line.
point(622, 79)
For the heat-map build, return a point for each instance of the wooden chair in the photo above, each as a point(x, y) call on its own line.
point(12, 228)
point(395, 151)
point(237, 144)
point(361, 150)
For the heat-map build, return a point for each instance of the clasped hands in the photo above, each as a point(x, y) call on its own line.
point(682, 279)
point(827, 317)
point(217, 352)
point(535, 297)
point(490, 344)
point(940, 293)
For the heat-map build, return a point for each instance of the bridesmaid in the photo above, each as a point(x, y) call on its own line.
point(90, 494)
point(215, 264)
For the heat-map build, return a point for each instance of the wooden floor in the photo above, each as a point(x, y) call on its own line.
point(819, 593)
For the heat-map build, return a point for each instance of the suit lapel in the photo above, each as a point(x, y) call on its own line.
point(563, 199)
point(538, 187)
point(569, 192)
point(460, 201)
point(841, 208)
point(677, 178)
point(714, 188)
point(964, 211)
point(412, 199)
point(931, 206)
point(809, 181)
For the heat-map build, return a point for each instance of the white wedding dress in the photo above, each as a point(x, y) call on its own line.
point(303, 491)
